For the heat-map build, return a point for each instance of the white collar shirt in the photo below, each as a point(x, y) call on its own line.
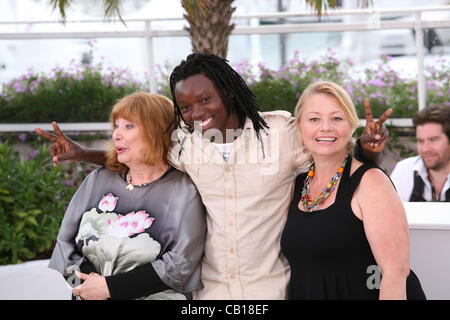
point(403, 178)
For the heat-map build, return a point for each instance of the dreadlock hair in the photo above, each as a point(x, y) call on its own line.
point(233, 90)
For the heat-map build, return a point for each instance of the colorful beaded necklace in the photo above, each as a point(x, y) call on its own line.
point(311, 203)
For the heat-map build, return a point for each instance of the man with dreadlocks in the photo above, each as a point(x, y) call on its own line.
point(243, 163)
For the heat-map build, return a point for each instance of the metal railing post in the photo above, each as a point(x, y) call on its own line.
point(421, 90)
point(255, 43)
point(150, 61)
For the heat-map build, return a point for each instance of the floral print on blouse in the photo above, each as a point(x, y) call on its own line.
point(116, 243)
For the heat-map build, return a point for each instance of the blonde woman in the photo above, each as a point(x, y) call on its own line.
point(346, 235)
point(135, 228)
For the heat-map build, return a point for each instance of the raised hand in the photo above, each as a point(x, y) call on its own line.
point(375, 134)
point(62, 148)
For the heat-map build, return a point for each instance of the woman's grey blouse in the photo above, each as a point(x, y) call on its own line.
point(179, 225)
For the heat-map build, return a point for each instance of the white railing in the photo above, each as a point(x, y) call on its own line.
point(372, 22)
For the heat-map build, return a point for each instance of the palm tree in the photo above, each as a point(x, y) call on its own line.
point(209, 25)
point(209, 20)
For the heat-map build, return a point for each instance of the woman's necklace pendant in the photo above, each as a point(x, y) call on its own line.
point(130, 186)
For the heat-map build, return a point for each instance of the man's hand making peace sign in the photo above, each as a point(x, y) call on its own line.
point(63, 148)
point(375, 134)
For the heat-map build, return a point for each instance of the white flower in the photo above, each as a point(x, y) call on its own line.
point(93, 224)
point(86, 231)
point(135, 252)
point(108, 202)
point(112, 255)
point(103, 253)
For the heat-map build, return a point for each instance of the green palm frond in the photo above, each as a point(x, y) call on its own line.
point(321, 6)
point(195, 7)
point(112, 8)
point(62, 5)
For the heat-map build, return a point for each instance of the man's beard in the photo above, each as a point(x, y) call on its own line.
point(436, 165)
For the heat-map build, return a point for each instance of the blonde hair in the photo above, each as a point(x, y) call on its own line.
point(334, 90)
point(154, 114)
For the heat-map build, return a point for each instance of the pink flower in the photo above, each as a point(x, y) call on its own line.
point(108, 203)
point(376, 82)
point(132, 223)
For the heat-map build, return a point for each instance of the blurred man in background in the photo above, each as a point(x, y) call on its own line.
point(426, 177)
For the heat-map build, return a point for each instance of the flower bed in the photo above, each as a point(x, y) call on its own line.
point(85, 93)
point(80, 93)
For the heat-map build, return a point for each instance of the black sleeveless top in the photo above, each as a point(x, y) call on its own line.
point(328, 252)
